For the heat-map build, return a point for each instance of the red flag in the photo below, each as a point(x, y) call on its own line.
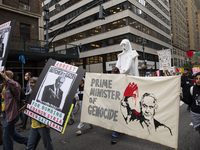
point(158, 73)
point(194, 81)
point(192, 53)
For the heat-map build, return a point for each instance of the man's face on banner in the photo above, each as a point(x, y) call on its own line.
point(59, 82)
point(148, 107)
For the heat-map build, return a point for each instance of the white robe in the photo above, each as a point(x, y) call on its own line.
point(128, 60)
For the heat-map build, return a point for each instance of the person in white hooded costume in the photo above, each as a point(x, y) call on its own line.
point(128, 60)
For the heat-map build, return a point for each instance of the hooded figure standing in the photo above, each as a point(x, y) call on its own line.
point(128, 59)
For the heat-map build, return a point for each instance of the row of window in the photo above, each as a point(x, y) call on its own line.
point(158, 14)
point(113, 57)
point(149, 31)
point(62, 7)
point(116, 40)
point(25, 31)
point(148, 18)
point(70, 14)
point(110, 11)
point(179, 53)
point(178, 62)
point(111, 26)
point(161, 6)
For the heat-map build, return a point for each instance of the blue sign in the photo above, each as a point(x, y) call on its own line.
point(34, 48)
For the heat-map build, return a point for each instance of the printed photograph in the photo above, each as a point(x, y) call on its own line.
point(55, 87)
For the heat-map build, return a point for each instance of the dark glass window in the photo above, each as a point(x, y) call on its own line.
point(25, 31)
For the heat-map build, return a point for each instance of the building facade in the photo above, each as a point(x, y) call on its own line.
point(178, 32)
point(100, 39)
point(192, 28)
point(28, 16)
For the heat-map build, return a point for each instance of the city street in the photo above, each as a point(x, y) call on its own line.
point(99, 138)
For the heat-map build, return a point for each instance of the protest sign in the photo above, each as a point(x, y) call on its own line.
point(164, 59)
point(195, 70)
point(147, 108)
point(6, 31)
point(182, 70)
point(53, 93)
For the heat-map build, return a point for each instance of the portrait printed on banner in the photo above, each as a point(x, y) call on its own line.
point(4, 36)
point(55, 87)
point(145, 116)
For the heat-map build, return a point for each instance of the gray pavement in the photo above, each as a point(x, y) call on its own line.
point(99, 138)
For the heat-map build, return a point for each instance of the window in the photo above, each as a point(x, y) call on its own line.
point(25, 31)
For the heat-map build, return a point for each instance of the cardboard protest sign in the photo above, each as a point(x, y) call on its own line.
point(53, 93)
point(164, 59)
point(147, 108)
point(195, 70)
point(182, 70)
point(6, 31)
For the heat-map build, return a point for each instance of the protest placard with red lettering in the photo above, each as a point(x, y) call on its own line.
point(53, 93)
point(6, 31)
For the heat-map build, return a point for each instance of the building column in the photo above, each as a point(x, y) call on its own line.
point(104, 63)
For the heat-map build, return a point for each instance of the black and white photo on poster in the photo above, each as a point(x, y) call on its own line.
point(55, 87)
point(4, 36)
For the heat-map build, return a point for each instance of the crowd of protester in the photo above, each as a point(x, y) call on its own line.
point(11, 112)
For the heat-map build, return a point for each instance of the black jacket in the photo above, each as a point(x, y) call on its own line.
point(194, 99)
point(186, 82)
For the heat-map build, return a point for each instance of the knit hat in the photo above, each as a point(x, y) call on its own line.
point(115, 70)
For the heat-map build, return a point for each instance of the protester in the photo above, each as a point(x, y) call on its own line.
point(192, 98)
point(71, 117)
point(10, 110)
point(27, 77)
point(1, 130)
point(128, 60)
point(114, 139)
point(80, 95)
point(38, 130)
point(186, 82)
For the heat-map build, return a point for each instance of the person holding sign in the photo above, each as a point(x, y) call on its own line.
point(128, 60)
point(80, 96)
point(10, 110)
point(38, 130)
point(114, 139)
point(53, 94)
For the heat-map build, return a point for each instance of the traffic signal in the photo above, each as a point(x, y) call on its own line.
point(102, 12)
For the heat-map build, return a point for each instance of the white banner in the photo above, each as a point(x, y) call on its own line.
point(164, 59)
point(147, 108)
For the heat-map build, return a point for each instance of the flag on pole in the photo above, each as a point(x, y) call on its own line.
point(192, 53)
point(22, 58)
point(158, 73)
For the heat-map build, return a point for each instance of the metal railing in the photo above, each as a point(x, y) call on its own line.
point(33, 45)
point(23, 44)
